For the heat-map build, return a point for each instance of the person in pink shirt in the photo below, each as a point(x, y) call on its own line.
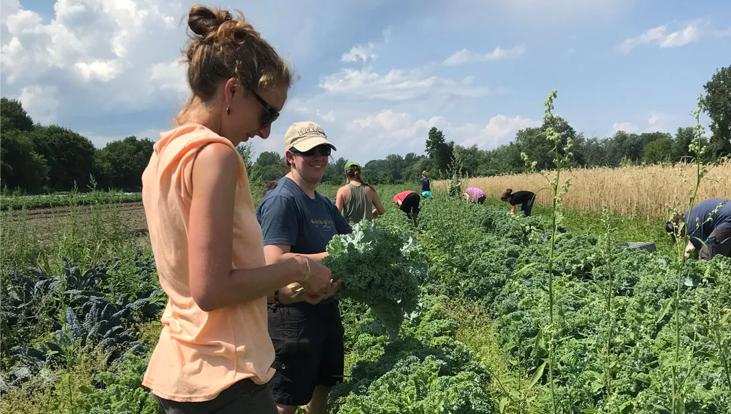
point(475, 195)
point(214, 353)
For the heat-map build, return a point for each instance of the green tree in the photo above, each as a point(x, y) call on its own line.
point(13, 116)
point(394, 165)
point(504, 159)
point(534, 142)
point(70, 156)
point(376, 172)
point(681, 143)
point(22, 167)
point(335, 172)
point(414, 165)
point(658, 150)
point(593, 151)
point(622, 147)
point(472, 159)
point(120, 164)
point(438, 150)
point(717, 102)
point(246, 151)
point(269, 166)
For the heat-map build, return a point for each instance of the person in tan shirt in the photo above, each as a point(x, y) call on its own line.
point(214, 353)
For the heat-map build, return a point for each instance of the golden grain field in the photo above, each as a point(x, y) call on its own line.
point(639, 191)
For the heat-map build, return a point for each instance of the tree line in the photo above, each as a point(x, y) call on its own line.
point(38, 158)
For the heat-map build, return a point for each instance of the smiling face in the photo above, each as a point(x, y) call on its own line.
point(310, 165)
point(246, 111)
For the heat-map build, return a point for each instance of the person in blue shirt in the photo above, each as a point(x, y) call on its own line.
point(306, 329)
point(425, 185)
point(708, 225)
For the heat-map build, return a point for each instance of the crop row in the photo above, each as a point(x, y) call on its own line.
point(618, 361)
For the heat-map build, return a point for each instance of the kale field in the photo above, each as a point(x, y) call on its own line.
point(500, 325)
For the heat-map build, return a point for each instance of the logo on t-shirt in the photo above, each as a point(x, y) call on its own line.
point(326, 225)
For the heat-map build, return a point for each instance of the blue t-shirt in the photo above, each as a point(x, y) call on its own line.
point(705, 217)
point(425, 184)
point(289, 217)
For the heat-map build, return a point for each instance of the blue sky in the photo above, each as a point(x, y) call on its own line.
point(378, 74)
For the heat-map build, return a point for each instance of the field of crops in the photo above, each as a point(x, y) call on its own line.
point(80, 309)
point(647, 192)
point(66, 199)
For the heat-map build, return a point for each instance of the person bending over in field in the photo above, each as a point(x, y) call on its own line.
point(214, 353)
point(357, 200)
point(306, 329)
point(524, 198)
point(708, 225)
point(474, 195)
point(408, 202)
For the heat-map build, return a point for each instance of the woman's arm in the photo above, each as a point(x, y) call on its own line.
point(275, 253)
point(377, 204)
point(212, 281)
point(340, 200)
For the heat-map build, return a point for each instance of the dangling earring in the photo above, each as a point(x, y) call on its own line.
point(228, 110)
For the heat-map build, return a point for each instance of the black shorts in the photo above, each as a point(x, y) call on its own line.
point(308, 341)
point(242, 397)
point(410, 205)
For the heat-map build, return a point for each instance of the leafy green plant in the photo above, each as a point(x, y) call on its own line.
point(380, 268)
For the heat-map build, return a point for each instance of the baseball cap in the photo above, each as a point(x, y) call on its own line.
point(304, 136)
point(351, 164)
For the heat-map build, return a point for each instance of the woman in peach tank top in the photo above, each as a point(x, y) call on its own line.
point(214, 353)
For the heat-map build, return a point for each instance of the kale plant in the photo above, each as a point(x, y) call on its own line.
point(380, 268)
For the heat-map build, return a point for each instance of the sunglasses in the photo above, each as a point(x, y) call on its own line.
point(323, 150)
point(270, 113)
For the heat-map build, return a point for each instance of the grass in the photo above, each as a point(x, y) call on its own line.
point(476, 330)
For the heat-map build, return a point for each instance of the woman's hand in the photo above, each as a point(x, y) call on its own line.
point(330, 292)
point(316, 277)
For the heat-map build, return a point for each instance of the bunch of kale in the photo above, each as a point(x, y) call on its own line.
point(381, 268)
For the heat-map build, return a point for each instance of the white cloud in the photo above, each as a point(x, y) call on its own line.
point(467, 56)
point(397, 85)
point(393, 132)
point(41, 103)
point(88, 42)
point(396, 124)
point(655, 121)
point(103, 70)
point(624, 126)
point(661, 37)
point(360, 53)
point(327, 116)
point(170, 76)
point(499, 130)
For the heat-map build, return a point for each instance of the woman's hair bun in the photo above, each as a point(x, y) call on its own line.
point(203, 20)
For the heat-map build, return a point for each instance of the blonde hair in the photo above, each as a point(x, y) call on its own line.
point(222, 47)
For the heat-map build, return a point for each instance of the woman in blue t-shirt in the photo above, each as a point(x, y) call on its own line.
point(306, 330)
point(708, 225)
point(425, 185)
